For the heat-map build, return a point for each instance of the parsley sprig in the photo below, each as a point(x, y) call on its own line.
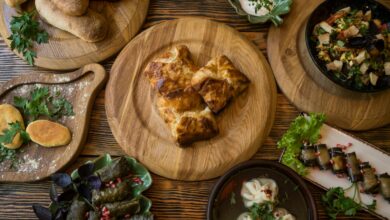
point(25, 31)
point(263, 211)
point(43, 103)
point(7, 137)
point(302, 129)
point(337, 203)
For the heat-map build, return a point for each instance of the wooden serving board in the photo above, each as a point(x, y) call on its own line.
point(365, 152)
point(140, 131)
point(64, 51)
point(311, 92)
point(80, 88)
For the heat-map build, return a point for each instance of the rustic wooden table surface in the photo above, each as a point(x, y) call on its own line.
point(171, 199)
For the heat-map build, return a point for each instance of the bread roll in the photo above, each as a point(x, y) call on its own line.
point(9, 114)
point(14, 3)
point(72, 7)
point(91, 26)
point(48, 134)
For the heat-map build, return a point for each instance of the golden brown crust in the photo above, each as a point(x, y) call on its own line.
point(48, 134)
point(218, 82)
point(179, 104)
point(9, 114)
point(72, 7)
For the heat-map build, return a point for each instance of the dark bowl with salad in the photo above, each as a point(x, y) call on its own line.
point(349, 41)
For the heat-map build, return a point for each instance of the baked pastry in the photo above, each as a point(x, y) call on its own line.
point(48, 134)
point(179, 104)
point(188, 126)
point(218, 82)
point(10, 114)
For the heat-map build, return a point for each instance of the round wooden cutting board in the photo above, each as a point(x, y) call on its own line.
point(140, 131)
point(288, 57)
point(80, 89)
point(64, 51)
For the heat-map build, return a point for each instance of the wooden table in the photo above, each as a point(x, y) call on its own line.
point(171, 199)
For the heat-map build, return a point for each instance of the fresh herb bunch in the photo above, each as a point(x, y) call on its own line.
point(7, 137)
point(263, 211)
point(42, 103)
point(302, 130)
point(25, 31)
point(337, 203)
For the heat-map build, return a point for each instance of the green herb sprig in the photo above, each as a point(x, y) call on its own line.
point(43, 103)
point(7, 137)
point(302, 129)
point(25, 31)
point(337, 203)
point(263, 211)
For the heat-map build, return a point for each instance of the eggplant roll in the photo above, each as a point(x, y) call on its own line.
point(118, 209)
point(308, 155)
point(337, 157)
point(77, 211)
point(118, 168)
point(385, 186)
point(108, 195)
point(323, 158)
point(354, 173)
point(370, 180)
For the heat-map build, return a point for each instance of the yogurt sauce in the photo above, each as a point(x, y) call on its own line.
point(259, 190)
point(249, 6)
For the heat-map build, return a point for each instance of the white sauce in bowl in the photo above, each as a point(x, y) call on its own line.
point(250, 7)
point(259, 190)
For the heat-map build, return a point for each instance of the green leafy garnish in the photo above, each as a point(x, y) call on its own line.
point(263, 211)
point(25, 30)
point(337, 203)
point(7, 137)
point(42, 103)
point(302, 130)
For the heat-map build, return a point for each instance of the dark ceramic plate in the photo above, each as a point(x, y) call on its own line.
point(322, 12)
point(225, 202)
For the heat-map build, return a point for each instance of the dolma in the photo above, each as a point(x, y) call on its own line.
point(118, 168)
point(108, 195)
point(77, 211)
point(119, 209)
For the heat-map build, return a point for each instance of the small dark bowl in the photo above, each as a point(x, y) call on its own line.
point(321, 13)
point(298, 201)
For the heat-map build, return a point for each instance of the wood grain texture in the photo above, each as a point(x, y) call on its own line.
point(64, 51)
point(172, 200)
point(308, 89)
point(80, 88)
point(131, 107)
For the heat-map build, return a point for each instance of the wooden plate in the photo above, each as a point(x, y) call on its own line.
point(288, 53)
point(225, 201)
point(80, 88)
point(365, 152)
point(134, 118)
point(65, 51)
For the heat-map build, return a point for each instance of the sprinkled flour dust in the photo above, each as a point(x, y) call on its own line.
point(29, 161)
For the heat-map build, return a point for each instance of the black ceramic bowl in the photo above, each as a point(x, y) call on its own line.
point(225, 201)
point(321, 13)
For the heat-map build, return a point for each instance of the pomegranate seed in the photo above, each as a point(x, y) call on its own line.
point(348, 165)
point(111, 182)
point(119, 180)
point(349, 144)
point(338, 145)
point(127, 216)
point(331, 161)
point(104, 209)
